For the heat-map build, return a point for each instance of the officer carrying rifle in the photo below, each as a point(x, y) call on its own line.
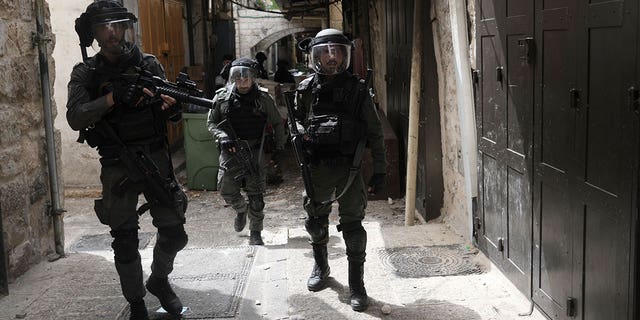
point(241, 112)
point(120, 104)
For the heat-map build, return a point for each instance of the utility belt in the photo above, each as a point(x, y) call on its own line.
point(110, 154)
point(332, 161)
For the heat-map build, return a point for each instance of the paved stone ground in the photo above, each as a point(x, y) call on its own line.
point(84, 285)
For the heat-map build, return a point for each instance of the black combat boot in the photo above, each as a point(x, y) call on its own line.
point(255, 238)
point(138, 310)
point(240, 221)
point(359, 298)
point(161, 288)
point(318, 279)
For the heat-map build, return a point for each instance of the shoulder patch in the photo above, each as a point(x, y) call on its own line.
point(263, 89)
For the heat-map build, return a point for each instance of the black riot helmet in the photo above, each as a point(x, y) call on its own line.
point(242, 74)
point(107, 27)
point(329, 51)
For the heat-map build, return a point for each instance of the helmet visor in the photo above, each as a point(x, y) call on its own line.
point(115, 37)
point(241, 73)
point(242, 77)
point(330, 58)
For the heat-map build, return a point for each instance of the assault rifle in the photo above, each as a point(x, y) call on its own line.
point(243, 153)
point(141, 168)
point(184, 90)
point(297, 141)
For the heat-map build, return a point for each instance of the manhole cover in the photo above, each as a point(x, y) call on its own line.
point(418, 262)
point(102, 242)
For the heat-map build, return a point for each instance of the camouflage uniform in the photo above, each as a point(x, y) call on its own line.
point(260, 110)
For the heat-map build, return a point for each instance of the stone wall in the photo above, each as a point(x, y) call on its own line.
point(24, 183)
point(253, 26)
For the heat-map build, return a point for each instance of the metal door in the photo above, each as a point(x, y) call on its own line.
point(504, 107)
point(606, 52)
point(556, 99)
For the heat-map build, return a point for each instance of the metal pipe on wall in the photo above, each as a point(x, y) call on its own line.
point(56, 207)
point(414, 115)
point(464, 93)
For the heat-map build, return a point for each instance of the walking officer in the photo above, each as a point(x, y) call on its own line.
point(127, 124)
point(339, 119)
point(238, 119)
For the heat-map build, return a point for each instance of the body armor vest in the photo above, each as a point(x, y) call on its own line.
point(246, 117)
point(141, 125)
point(334, 121)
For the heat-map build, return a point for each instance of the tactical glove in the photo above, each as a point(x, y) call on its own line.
point(227, 143)
point(128, 94)
point(376, 183)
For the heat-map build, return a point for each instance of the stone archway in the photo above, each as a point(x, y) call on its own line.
point(269, 40)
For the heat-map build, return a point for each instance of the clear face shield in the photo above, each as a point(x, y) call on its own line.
point(114, 37)
point(242, 78)
point(330, 58)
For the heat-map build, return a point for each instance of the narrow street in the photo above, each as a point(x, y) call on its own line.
point(219, 275)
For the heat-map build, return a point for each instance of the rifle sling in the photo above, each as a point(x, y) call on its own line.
point(353, 172)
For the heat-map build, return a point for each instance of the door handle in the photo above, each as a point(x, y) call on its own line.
point(499, 74)
point(634, 99)
point(527, 48)
point(574, 99)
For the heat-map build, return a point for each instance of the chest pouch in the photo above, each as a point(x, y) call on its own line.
point(136, 124)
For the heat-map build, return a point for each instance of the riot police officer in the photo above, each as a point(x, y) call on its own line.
point(115, 114)
point(339, 119)
point(242, 110)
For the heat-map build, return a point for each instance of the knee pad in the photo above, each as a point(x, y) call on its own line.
point(256, 202)
point(356, 243)
point(125, 245)
point(172, 239)
point(318, 229)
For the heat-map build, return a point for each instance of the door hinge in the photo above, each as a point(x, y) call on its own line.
point(475, 75)
point(571, 307)
point(477, 223)
point(574, 99)
point(500, 244)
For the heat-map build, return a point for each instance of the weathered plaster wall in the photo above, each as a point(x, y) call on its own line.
point(24, 184)
point(80, 166)
point(455, 211)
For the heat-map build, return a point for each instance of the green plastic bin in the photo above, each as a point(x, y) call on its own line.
point(201, 153)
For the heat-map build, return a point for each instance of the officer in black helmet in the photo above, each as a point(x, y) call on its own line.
point(241, 112)
point(113, 114)
point(339, 119)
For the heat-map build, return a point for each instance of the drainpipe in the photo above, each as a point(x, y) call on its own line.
point(414, 115)
point(464, 93)
point(40, 39)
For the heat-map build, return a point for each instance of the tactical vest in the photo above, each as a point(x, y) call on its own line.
point(334, 122)
point(246, 117)
point(142, 125)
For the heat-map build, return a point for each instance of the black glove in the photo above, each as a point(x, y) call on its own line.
point(126, 93)
point(227, 143)
point(376, 183)
point(277, 156)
